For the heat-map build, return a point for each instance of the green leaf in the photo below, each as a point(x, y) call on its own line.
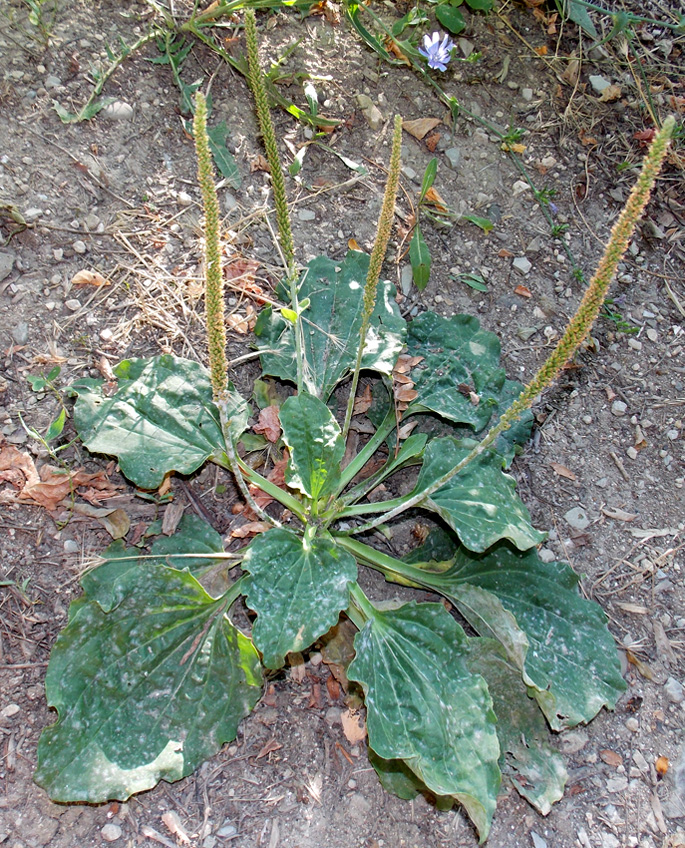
point(426, 708)
point(460, 360)
point(536, 770)
point(479, 503)
point(222, 156)
point(297, 588)
point(480, 5)
point(192, 536)
point(420, 259)
point(451, 18)
point(56, 426)
point(571, 664)
point(428, 177)
point(316, 446)
point(577, 13)
point(145, 692)
point(475, 281)
point(331, 326)
point(161, 418)
point(485, 224)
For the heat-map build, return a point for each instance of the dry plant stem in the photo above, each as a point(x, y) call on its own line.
point(214, 284)
point(376, 262)
point(579, 326)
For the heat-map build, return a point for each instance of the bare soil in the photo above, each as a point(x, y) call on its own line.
point(117, 195)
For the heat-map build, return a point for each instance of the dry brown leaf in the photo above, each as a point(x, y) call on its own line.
point(238, 323)
point(661, 765)
point(393, 48)
point(354, 726)
point(421, 126)
point(89, 278)
point(363, 402)
point(405, 394)
point(298, 672)
point(642, 667)
point(402, 379)
point(259, 163)
point(637, 609)
point(618, 514)
point(431, 141)
point(406, 429)
point(333, 688)
point(432, 196)
point(504, 253)
point(572, 72)
point(352, 244)
point(48, 487)
point(252, 528)
point(523, 291)
point(269, 748)
point(329, 11)
point(172, 516)
point(269, 424)
point(562, 470)
point(611, 758)
point(610, 93)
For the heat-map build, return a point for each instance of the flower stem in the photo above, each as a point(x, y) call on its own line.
point(214, 284)
point(376, 263)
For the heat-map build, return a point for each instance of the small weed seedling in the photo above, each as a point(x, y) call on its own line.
point(152, 673)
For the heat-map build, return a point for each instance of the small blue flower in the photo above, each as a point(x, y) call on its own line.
point(437, 52)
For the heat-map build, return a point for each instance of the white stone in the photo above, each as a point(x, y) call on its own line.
point(79, 246)
point(111, 832)
point(618, 408)
point(674, 691)
point(10, 710)
point(118, 111)
point(527, 94)
point(522, 264)
point(577, 518)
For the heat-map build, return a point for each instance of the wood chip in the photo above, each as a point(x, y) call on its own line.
point(637, 609)
point(173, 823)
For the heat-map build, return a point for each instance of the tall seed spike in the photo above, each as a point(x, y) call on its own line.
point(214, 284)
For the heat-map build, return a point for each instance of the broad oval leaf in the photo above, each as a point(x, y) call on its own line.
point(188, 549)
point(331, 326)
point(426, 708)
point(571, 665)
point(316, 446)
point(161, 418)
point(145, 692)
point(297, 588)
point(480, 503)
point(535, 769)
point(451, 18)
point(460, 359)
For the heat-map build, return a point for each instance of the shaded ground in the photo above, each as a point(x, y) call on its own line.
point(117, 195)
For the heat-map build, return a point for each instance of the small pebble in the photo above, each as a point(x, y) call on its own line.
point(618, 408)
point(636, 344)
point(306, 215)
point(118, 111)
point(58, 253)
point(672, 435)
point(184, 199)
point(10, 710)
point(617, 784)
point(522, 264)
point(333, 716)
point(79, 246)
point(453, 156)
point(640, 762)
point(71, 547)
point(652, 334)
point(527, 94)
point(227, 829)
point(587, 419)
point(577, 518)
point(73, 304)
point(20, 333)
point(674, 691)
point(631, 453)
point(633, 725)
point(538, 841)
point(111, 832)
point(52, 82)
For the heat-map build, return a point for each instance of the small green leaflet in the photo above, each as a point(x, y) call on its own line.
point(316, 446)
point(420, 259)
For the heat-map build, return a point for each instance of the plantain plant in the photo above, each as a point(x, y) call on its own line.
point(153, 673)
